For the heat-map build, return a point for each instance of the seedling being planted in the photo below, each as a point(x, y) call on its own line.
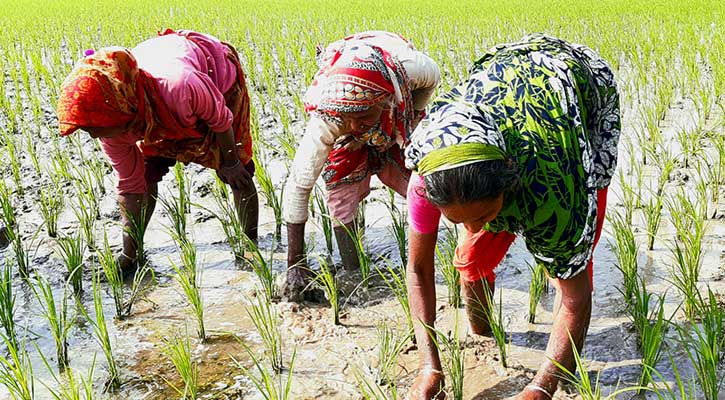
point(389, 346)
point(453, 362)
point(189, 281)
point(537, 288)
point(112, 273)
point(262, 267)
point(51, 201)
point(274, 200)
point(324, 278)
point(174, 209)
point(494, 315)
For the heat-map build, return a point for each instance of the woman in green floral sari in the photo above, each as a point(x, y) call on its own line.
point(527, 145)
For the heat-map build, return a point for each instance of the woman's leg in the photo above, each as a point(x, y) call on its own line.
point(476, 257)
point(247, 202)
point(342, 202)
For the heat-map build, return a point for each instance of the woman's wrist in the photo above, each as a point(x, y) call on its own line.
point(533, 387)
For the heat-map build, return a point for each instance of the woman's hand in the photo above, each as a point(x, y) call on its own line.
point(427, 385)
point(234, 175)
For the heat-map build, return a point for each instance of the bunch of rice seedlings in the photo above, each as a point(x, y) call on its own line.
point(717, 166)
point(100, 330)
point(71, 251)
point(274, 200)
point(682, 391)
point(178, 349)
point(174, 209)
point(651, 327)
point(98, 169)
point(395, 279)
point(86, 221)
point(227, 216)
point(399, 227)
point(112, 273)
point(324, 278)
point(325, 220)
point(141, 285)
point(579, 378)
point(686, 250)
point(705, 346)
point(7, 303)
point(625, 249)
point(51, 201)
point(184, 187)
point(189, 280)
point(58, 316)
point(494, 315)
point(267, 321)
point(444, 253)
point(537, 288)
point(357, 234)
point(262, 267)
point(16, 372)
point(271, 386)
point(389, 346)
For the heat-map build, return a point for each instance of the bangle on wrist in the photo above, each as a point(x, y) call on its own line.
point(536, 388)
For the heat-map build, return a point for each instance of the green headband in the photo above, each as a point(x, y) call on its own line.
point(459, 154)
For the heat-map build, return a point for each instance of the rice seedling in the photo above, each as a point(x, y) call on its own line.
point(7, 303)
point(628, 199)
point(682, 391)
point(51, 201)
point(100, 330)
point(705, 346)
point(270, 385)
point(267, 321)
point(451, 276)
point(370, 389)
point(184, 185)
point(60, 321)
point(98, 169)
point(140, 285)
point(71, 251)
point(227, 217)
point(14, 158)
point(453, 362)
point(389, 346)
point(178, 350)
point(32, 151)
point(274, 200)
point(395, 279)
point(537, 288)
point(717, 166)
point(651, 327)
point(262, 267)
point(112, 273)
point(325, 220)
point(399, 227)
point(494, 316)
point(72, 387)
point(625, 249)
point(174, 209)
point(325, 279)
point(13, 235)
point(686, 249)
point(357, 234)
point(86, 221)
point(189, 281)
point(16, 372)
point(579, 378)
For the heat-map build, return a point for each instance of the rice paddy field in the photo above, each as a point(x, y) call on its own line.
point(205, 320)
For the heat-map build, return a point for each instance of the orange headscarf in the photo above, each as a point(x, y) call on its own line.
point(103, 91)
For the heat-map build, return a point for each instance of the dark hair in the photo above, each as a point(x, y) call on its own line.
point(472, 182)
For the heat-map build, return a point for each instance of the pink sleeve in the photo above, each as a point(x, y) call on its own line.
point(127, 161)
point(202, 100)
point(422, 215)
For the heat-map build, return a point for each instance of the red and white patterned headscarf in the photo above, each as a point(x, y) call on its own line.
point(358, 72)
